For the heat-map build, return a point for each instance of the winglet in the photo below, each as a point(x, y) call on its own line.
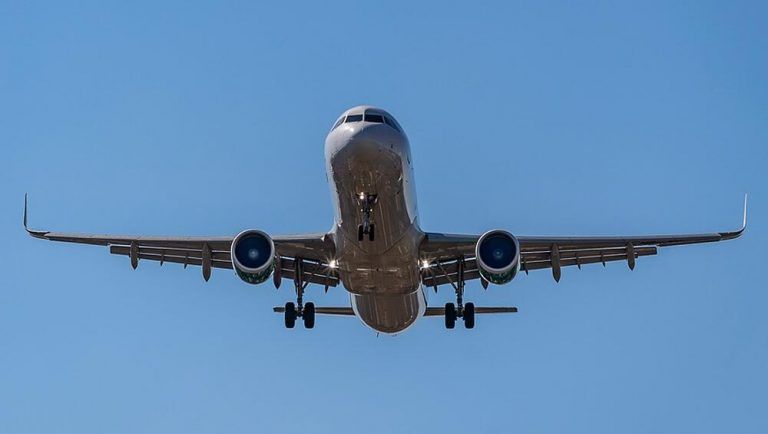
point(736, 234)
point(744, 223)
point(25, 212)
point(36, 234)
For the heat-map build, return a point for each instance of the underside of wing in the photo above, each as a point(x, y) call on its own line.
point(306, 255)
point(446, 257)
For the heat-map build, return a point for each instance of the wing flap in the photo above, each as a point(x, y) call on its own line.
point(578, 258)
point(443, 273)
point(445, 279)
point(184, 260)
point(216, 255)
point(319, 279)
point(311, 271)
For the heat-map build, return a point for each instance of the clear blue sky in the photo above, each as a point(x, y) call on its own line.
point(184, 118)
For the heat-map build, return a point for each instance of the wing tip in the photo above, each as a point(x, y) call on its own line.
point(744, 222)
point(34, 233)
point(737, 233)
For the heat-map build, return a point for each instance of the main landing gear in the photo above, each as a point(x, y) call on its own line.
point(299, 310)
point(367, 201)
point(305, 312)
point(466, 312)
point(459, 310)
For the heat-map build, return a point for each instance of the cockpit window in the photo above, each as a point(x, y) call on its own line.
point(339, 122)
point(391, 123)
point(379, 119)
point(354, 118)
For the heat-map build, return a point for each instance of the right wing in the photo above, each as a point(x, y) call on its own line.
point(311, 252)
point(442, 252)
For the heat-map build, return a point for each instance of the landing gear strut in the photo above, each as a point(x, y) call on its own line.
point(367, 201)
point(299, 310)
point(459, 310)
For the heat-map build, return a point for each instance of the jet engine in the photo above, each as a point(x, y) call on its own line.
point(253, 256)
point(498, 256)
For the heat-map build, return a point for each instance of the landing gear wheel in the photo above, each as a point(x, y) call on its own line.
point(290, 315)
point(308, 315)
point(450, 315)
point(359, 232)
point(469, 315)
point(370, 233)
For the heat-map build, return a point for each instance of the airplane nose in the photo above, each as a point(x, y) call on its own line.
point(366, 143)
point(362, 131)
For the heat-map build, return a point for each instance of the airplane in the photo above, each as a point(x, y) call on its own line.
point(376, 249)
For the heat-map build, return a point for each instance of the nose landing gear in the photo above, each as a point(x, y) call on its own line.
point(367, 201)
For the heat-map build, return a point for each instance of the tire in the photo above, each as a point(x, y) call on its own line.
point(290, 315)
point(469, 315)
point(370, 233)
point(309, 315)
point(359, 232)
point(450, 315)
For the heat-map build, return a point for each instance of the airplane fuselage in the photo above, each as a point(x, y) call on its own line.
point(373, 160)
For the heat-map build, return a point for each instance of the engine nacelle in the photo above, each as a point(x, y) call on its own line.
point(498, 256)
point(253, 256)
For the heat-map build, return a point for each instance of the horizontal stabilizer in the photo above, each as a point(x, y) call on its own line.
point(431, 311)
point(439, 311)
point(345, 311)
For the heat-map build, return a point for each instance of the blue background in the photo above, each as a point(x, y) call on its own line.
point(185, 118)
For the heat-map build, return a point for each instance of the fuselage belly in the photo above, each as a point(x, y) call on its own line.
point(382, 274)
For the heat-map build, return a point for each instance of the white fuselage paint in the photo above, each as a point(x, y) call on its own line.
point(382, 275)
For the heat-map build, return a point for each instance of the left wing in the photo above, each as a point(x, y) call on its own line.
point(443, 252)
point(310, 252)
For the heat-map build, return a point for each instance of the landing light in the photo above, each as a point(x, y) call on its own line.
point(332, 263)
point(424, 264)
